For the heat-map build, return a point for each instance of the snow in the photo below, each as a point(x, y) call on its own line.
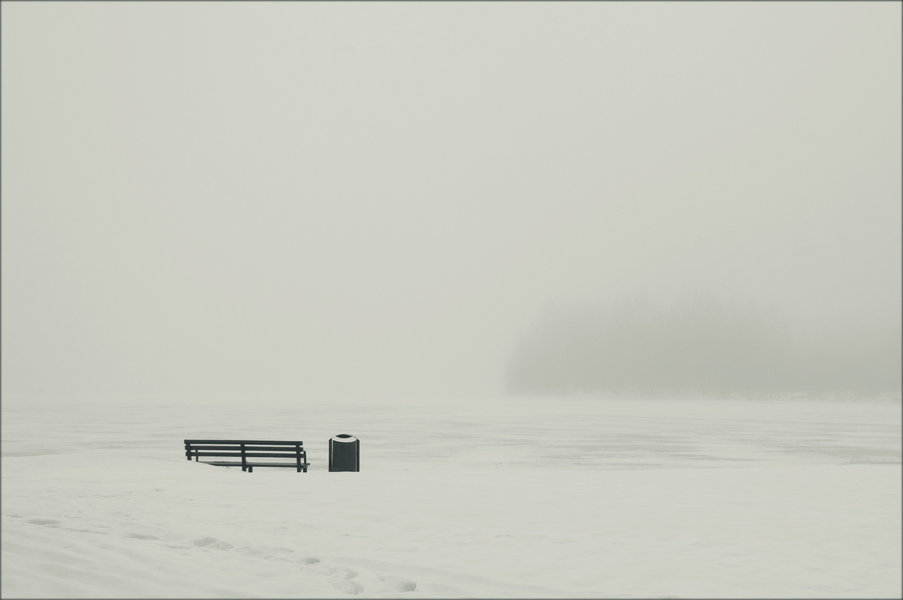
point(490, 497)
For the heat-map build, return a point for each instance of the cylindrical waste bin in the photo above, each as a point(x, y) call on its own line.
point(344, 453)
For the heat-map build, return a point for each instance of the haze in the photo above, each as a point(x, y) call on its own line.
point(377, 199)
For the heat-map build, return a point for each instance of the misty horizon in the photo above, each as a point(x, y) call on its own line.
point(700, 345)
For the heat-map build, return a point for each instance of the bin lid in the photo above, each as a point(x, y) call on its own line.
point(344, 437)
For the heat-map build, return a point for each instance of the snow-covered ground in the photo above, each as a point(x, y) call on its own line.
point(494, 497)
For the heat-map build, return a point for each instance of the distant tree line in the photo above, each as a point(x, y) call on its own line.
point(698, 346)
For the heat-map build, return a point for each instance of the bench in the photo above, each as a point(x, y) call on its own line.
point(245, 449)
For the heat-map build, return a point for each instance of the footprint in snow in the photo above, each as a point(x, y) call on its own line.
point(211, 542)
point(343, 572)
point(405, 585)
point(348, 587)
point(398, 585)
point(141, 536)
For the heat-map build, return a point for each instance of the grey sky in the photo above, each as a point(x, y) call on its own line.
point(376, 198)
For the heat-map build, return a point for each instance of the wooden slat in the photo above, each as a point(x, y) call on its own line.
point(238, 464)
point(289, 450)
point(254, 454)
point(245, 442)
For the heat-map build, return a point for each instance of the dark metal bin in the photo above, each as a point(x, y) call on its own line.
point(344, 453)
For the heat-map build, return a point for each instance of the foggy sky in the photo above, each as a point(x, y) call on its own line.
point(314, 199)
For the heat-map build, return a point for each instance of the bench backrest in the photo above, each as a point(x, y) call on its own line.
point(244, 449)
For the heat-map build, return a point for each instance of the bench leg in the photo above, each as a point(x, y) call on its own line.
point(250, 469)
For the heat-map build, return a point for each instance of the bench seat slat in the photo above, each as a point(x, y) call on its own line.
point(245, 442)
point(221, 463)
point(254, 454)
point(237, 448)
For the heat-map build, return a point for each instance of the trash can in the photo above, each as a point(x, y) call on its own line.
point(344, 453)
